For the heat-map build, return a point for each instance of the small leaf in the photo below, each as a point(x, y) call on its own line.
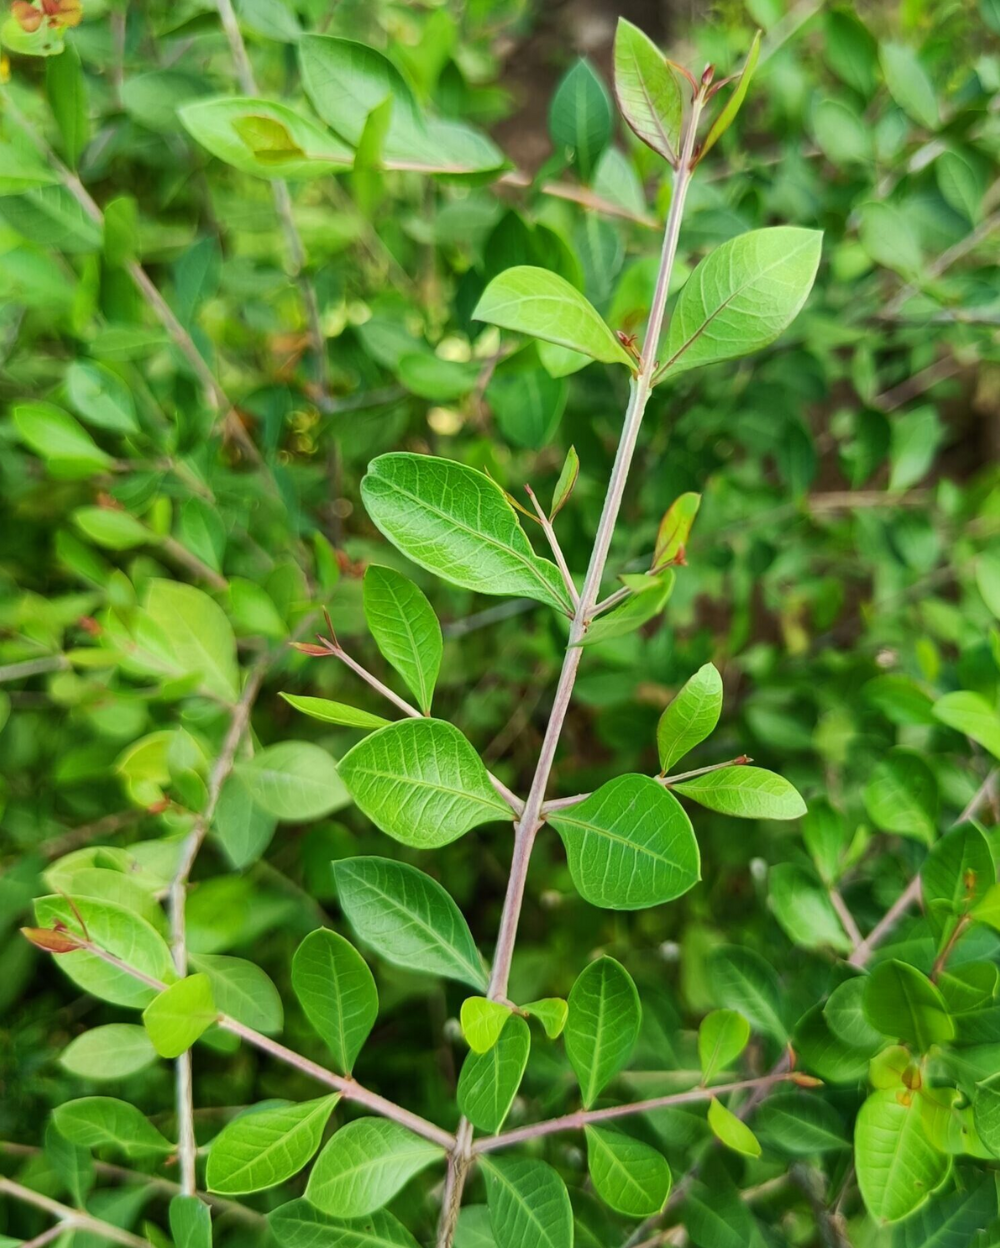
point(113, 1051)
point(602, 1026)
point(264, 1147)
point(59, 439)
point(649, 97)
point(628, 1175)
point(722, 1037)
point(735, 101)
point(674, 531)
point(544, 305)
point(690, 717)
point(897, 1166)
point(334, 712)
point(903, 1004)
point(180, 1014)
point(528, 1203)
point(190, 1222)
point(405, 629)
point(568, 476)
point(901, 796)
point(298, 1224)
point(408, 919)
point(421, 781)
point(551, 1012)
point(294, 781)
point(489, 1080)
point(643, 605)
point(103, 1121)
point(745, 793)
point(731, 1131)
point(482, 1022)
point(580, 116)
point(365, 1164)
point(337, 992)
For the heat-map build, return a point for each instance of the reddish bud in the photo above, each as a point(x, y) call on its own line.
point(50, 940)
point(26, 15)
point(70, 13)
point(806, 1081)
point(307, 647)
point(707, 75)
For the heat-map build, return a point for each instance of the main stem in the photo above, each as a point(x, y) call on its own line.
point(531, 819)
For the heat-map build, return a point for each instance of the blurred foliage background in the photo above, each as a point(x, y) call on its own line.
point(844, 571)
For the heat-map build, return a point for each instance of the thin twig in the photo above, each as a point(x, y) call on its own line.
point(561, 803)
point(68, 1217)
point(845, 916)
point(33, 667)
point(556, 549)
point(862, 953)
point(943, 262)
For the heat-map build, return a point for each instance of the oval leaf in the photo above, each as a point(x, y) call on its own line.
point(365, 1164)
point(745, 792)
point(528, 1203)
point(631, 1177)
point(405, 629)
point(690, 717)
point(262, 1148)
point(489, 1081)
point(602, 1026)
point(337, 992)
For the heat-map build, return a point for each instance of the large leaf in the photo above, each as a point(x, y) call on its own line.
point(649, 97)
point(408, 919)
point(603, 1025)
point(193, 634)
point(528, 1203)
point(104, 1122)
point(405, 629)
point(544, 305)
point(950, 1221)
point(190, 1222)
point(742, 980)
point(898, 1168)
point(299, 1224)
point(242, 990)
point(745, 792)
point(365, 1164)
point(113, 1051)
point(422, 782)
point(242, 828)
point(629, 845)
point(180, 1014)
point(631, 1177)
point(264, 1147)
point(294, 781)
point(457, 523)
point(903, 1004)
point(489, 1081)
point(690, 717)
point(742, 297)
point(337, 992)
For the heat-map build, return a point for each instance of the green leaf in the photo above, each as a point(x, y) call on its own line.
point(742, 297)
point(334, 712)
point(568, 476)
point(745, 792)
point(674, 531)
point(528, 1203)
point(909, 84)
point(845, 1015)
point(956, 874)
point(365, 1164)
point(801, 1124)
point(602, 1026)
point(180, 1014)
point(104, 1122)
point(113, 1051)
point(898, 1168)
point(648, 95)
point(580, 116)
point(190, 1222)
point(823, 1053)
point(743, 981)
point(194, 634)
point(408, 919)
point(100, 397)
point(243, 830)
point(735, 101)
point(629, 845)
point(551, 1012)
point(731, 1131)
point(803, 908)
point(988, 579)
point(887, 234)
point(112, 529)
point(722, 1037)
point(59, 439)
point(264, 1147)
point(544, 305)
point(72, 1165)
point(405, 629)
point(988, 909)
point(643, 604)
point(294, 781)
point(901, 796)
point(986, 1110)
point(66, 89)
point(299, 1225)
point(489, 1080)
point(903, 1004)
point(690, 717)
point(337, 992)
point(457, 523)
point(421, 781)
point(950, 1221)
point(118, 931)
point(972, 715)
point(628, 1175)
point(264, 138)
point(242, 990)
point(482, 1022)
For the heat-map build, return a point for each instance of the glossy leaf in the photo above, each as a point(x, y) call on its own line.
point(264, 1147)
point(551, 1012)
point(489, 1080)
point(335, 712)
point(898, 1168)
point(180, 1014)
point(690, 717)
point(628, 1175)
point(801, 1125)
point(602, 1026)
point(528, 1203)
point(405, 629)
point(744, 792)
point(242, 990)
point(193, 635)
point(337, 992)
point(365, 1164)
point(722, 1037)
point(482, 1022)
point(649, 97)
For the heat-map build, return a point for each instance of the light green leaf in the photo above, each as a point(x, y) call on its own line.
point(551, 1012)
point(745, 792)
point(915, 438)
point(988, 579)
point(243, 830)
point(565, 485)
point(337, 992)
point(101, 397)
point(242, 990)
point(190, 1222)
point(489, 1080)
point(298, 1224)
point(365, 1164)
point(262, 1148)
point(988, 909)
point(264, 138)
point(631, 1177)
point(334, 712)
point(113, 1051)
point(731, 1131)
point(544, 305)
point(294, 781)
point(801, 1124)
point(528, 1203)
point(482, 1022)
point(59, 439)
point(887, 234)
point(603, 1025)
point(104, 1122)
point(421, 781)
point(674, 531)
point(742, 980)
point(405, 629)
point(629, 845)
point(898, 1168)
point(909, 84)
point(690, 717)
point(971, 714)
point(802, 906)
point(742, 297)
point(722, 1037)
point(901, 796)
point(580, 116)
point(194, 635)
point(648, 94)
point(986, 1110)
point(643, 604)
point(457, 523)
point(112, 529)
point(180, 1014)
point(903, 1004)
point(408, 919)
point(735, 101)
